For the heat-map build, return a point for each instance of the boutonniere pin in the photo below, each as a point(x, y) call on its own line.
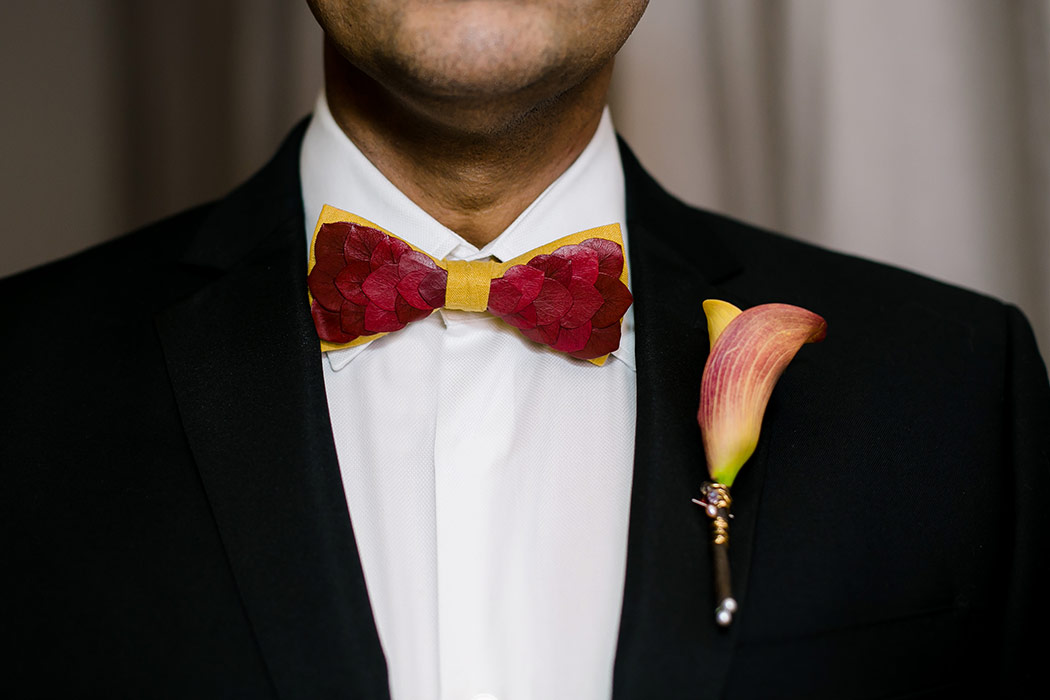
point(749, 351)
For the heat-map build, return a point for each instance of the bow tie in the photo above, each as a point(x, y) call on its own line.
point(365, 282)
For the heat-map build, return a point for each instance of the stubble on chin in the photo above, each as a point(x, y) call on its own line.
point(477, 50)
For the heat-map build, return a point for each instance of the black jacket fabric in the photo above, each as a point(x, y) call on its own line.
point(176, 525)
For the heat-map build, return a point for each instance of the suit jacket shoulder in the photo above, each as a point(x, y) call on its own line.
point(133, 271)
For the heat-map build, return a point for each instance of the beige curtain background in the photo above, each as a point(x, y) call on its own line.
point(915, 132)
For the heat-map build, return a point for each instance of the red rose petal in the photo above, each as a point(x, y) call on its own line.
point(617, 300)
point(349, 280)
point(322, 287)
point(408, 288)
point(553, 302)
point(432, 288)
point(573, 339)
point(327, 324)
point(553, 267)
point(352, 319)
point(332, 265)
point(413, 261)
point(381, 287)
point(533, 334)
point(547, 335)
point(399, 247)
point(610, 256)
point(331, 238)
point(361, 242)
point(504, 296)
point(406, 313)
point(383, 253)
point(522, 320)
point(358, 269)
point(586, 300)
point(528, 280)
point(584, 262)
point(379, 320)
point(602, 342)
point(538, 262)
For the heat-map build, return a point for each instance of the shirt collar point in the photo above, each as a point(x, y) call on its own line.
point(338, 359)
point(625, 356)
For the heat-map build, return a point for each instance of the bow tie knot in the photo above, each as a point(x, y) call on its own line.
point(365, 282)
point(468, 284)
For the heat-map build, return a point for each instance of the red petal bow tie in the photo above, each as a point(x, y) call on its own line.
point(365, 282)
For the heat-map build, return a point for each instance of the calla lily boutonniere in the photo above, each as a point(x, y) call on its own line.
point(749, 351)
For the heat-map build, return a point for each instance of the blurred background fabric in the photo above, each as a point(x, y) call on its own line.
point(915, 132)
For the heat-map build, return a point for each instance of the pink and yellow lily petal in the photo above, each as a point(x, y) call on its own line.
point(749, 351)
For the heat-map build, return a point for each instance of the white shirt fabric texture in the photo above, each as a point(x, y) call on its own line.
point(487, 477)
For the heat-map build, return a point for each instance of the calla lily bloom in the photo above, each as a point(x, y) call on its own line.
point(749, 351)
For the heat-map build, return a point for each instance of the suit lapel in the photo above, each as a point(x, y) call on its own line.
point(669, 645)
point(245, 367)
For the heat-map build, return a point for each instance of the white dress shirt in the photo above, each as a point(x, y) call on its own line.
point(487, 477)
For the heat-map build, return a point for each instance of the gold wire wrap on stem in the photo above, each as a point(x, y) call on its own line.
point(716, 501)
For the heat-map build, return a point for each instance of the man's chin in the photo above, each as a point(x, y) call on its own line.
point(479, 50)
point(477, 65)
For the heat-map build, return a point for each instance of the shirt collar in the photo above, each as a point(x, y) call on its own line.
point(589, 193)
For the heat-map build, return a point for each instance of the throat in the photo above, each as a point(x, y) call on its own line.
point(472, 167)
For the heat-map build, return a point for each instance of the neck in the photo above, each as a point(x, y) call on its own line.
point(472, 165)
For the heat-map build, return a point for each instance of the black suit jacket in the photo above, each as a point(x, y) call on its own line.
point(177, 525)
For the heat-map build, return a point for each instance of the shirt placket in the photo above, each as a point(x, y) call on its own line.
point(467, 436)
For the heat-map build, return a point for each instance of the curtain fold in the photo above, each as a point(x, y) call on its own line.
point(912, 132)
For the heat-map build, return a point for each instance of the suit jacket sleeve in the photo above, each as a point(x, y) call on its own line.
point(1027, 538)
